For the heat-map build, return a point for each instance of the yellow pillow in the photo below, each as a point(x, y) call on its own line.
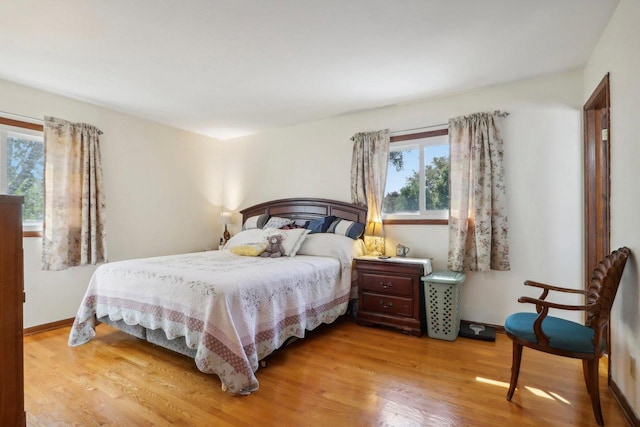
point(250, 249)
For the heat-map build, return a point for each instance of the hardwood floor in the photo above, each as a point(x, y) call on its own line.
point(340, 375)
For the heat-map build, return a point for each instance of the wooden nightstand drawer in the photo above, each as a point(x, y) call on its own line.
point(387, 304)
point(387, 284)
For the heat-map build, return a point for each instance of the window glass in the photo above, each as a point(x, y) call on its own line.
point(417, 184)
point(402, 191)
point(436, 175)
point(22, 171)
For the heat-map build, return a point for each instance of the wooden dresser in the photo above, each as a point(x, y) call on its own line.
point(11, 300)
point(391, 293)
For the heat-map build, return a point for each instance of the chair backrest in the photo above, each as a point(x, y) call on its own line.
point(603, 286)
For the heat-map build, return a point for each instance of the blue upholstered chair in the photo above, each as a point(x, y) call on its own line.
point(563, 337)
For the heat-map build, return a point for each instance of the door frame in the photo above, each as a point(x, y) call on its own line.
point(597, 187)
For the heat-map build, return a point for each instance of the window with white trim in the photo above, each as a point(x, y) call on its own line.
point(417, 187)
point(22, 169)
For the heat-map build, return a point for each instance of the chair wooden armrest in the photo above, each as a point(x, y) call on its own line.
point(549, 304)
point(555, 288)
point(546, 288)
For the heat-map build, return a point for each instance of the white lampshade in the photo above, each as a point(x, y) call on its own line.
point(226, 218)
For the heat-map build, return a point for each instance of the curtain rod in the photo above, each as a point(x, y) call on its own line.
point(33, 119)
point(497, 112)
point(420, 128)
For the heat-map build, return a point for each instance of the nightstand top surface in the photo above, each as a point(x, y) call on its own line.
point(426, 262)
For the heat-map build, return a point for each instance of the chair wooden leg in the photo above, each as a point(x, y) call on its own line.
point(585, 371)
point(515, 369)
point(591, 377)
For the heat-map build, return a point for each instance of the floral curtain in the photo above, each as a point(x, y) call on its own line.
point(478, 227)
point(74, 212)
point(369, 175)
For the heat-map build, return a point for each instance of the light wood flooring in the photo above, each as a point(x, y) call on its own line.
point(340, 375)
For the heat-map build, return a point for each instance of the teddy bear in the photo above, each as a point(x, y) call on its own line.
point(274, 246)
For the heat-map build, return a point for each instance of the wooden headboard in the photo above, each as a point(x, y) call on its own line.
point(304, 209)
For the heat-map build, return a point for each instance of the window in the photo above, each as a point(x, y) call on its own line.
point(22, 169)
point(417, 188)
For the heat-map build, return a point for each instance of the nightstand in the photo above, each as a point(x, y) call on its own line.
point(390, 292)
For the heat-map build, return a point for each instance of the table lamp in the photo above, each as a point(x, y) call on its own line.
point(225, 218)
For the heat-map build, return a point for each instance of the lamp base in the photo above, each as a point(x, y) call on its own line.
point(374, 245)
point(226, 235)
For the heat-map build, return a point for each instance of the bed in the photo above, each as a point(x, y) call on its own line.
point(229, 309)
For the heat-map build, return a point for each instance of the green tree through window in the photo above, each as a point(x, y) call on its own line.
point(25, 173)
point(436, 189)
point(437, 184)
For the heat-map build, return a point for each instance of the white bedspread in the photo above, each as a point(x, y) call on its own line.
point(234, 310)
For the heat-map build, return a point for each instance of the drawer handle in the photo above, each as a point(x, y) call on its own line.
point(386, 305)
point(386, 285)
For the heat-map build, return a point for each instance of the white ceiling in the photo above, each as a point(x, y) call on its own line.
point(226, 68)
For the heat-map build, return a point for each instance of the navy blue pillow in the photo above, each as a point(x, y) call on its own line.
point(319, 225)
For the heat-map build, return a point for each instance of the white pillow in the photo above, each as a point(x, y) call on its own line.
point(332, 245)
point(245, 237)
point(256, 221)
point(291, 239)
point(277, 222)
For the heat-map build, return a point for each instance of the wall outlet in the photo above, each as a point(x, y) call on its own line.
point(632, 366)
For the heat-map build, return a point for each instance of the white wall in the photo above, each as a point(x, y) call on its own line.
point(163, 189)
point(618, 52)
point(543, 170)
